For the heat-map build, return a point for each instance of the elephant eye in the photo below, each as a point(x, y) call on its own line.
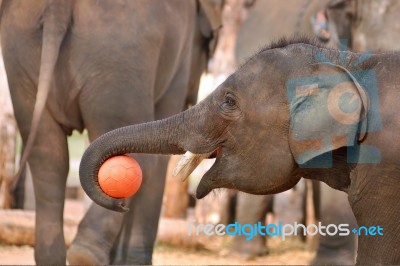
point(229, 102)
point(230, 107)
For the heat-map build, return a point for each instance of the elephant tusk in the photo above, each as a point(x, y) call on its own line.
point(188, 163)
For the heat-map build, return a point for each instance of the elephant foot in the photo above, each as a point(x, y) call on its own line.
point(135, 256)
point(249, 250)
point(333, 257)
point(79, 254)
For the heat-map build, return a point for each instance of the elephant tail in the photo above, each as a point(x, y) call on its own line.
point(56, 20)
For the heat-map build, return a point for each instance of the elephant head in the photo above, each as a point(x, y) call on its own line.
point(275, 114)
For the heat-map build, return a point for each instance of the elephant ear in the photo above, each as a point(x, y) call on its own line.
point(326, 112)
point(210, 21)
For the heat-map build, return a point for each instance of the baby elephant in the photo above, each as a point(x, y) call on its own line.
point(293, 110)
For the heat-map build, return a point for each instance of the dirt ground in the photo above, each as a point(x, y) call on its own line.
point(216, 250)
point(288, 252)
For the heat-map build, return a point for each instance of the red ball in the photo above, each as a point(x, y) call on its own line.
point(120, 176)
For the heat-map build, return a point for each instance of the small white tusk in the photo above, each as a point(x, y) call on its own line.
point(188, 163)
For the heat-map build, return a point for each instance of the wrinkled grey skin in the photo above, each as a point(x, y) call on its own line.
point(255, 32)
point(251, 209)
point(247, 120)
point(334, 209)
point(102, 65)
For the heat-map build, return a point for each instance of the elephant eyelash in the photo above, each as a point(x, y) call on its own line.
point(230, 101)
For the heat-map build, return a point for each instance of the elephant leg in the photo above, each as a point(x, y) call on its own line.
point(95, 238)
point(315, 201)
point(251, 209)
point(374, 198)
point(139, 231)
point(99, 229)
point(97, 233)
point(335, 209)
point(140, 226)
point(48, 158)
point(48, 162)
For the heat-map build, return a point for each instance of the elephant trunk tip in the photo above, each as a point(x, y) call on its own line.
point(121, 207)
point(102, 199)
point(88, 175)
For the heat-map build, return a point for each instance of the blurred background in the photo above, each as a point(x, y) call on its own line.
point(247, 26)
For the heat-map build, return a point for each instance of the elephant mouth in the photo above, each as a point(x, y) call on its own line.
point(189, 162)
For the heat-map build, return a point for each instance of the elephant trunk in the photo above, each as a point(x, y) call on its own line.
point(173, 135)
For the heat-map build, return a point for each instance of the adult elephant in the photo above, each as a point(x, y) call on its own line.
point(361, 23)
point(255, 32)
point(99, 65)
point(295, 109)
